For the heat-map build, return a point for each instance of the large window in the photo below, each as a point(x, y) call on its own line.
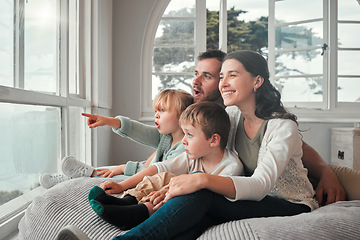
point(313, 55)
point(188, 27)
point(42, 94)
point(310, 46)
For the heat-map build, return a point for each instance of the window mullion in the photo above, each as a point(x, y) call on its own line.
point(63, 76)
point(223, 26)
point(19, 6)
point(271, 40)
point(200, 27)
point(332, 70)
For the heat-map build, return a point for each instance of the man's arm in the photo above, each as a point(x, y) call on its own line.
point(329, 189)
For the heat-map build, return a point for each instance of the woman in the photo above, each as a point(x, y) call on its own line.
point(267, 140)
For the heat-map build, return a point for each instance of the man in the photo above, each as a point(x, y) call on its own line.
point(205, 88)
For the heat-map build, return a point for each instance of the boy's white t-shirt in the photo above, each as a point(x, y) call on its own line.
point(230, 165)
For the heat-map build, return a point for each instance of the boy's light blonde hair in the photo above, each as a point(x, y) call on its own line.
point(210, 117)
point(173, 100)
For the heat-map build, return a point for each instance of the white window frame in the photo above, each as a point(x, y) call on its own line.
point(331, 110)
point(147, 112)
point(15, 208)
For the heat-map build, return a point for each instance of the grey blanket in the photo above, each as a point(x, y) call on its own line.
point(66, 203)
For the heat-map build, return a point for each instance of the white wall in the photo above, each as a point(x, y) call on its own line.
point(318, 135)
point(129, 23)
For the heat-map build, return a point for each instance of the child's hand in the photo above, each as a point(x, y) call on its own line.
point(94, 120)
point(111, 187)
point(157, 198)
point(105, 172)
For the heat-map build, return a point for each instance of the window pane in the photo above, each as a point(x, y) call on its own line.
point(299, 63)
point(77, 133)
point(348, 90)
point(290, 11)
point(175, 32)
point(247, 25)
point(180, 8)
point(346, 35)
point(212, 25)
point(40, 50)
point(30, 145)
point(173, 60)
point(300, 89)
point(348, 62)
point(299, 36)
point(348, 10)
point(6, 43)
point(160, 82)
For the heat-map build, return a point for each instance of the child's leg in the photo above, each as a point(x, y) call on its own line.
point(98, 194)
point(124, 217)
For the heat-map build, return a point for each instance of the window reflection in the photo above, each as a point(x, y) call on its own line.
point(29, 145)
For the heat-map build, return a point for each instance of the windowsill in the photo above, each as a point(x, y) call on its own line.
point(13, 211)
point(349, 115)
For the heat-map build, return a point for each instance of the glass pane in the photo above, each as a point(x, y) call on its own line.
point(160, 82)
point(299, 63)
point(346, 35)
point(30, 145)
point(348, 62)
point(247, 25)
point(77, 133)
point(348, 10)
point(347, 92)
point(290, 11)
point(173, 60)
point(180, 8)
point(6, 43)
point(299, 36)
point(40, 48)
point(175, 32)
point(300, 89)
point(212, 25)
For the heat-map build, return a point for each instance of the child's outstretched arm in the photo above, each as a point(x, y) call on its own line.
point(111, 187)
point(94, 121)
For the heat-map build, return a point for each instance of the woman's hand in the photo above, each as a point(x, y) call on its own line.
point(105, 172)
point(111, 187)
point(184, 184)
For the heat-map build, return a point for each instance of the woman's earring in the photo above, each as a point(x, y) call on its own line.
point(254, 89)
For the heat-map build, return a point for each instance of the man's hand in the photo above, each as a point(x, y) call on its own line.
point(329, 189)
point(105, 172)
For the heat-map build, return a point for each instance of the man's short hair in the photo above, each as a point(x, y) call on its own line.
point(210, 117)
point(212, 53)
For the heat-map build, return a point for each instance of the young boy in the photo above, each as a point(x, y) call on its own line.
point(206, 126)
point(166, 136)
